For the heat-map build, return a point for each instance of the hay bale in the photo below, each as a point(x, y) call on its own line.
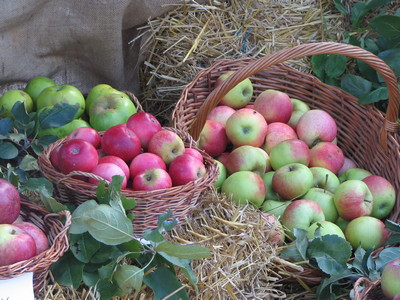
point(192, 36)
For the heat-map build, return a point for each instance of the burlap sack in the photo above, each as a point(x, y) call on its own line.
point(77, 42)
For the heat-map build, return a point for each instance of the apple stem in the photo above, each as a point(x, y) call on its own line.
point(326, 182)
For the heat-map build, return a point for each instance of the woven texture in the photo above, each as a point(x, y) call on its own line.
point(55, 226)
point(364, 289)
point(368, 136)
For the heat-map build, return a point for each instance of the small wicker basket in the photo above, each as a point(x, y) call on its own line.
point(149, 204)
point(368, 136)
point(364, 289)
point(55, 226)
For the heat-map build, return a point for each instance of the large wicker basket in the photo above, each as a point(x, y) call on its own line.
point(149, 204)
point(364, 289)
point(368, 136)
point(55, 226)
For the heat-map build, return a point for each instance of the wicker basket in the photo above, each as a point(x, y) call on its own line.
point(364, 289)
point(55, 226)
point(149, 204)
point(368, 136)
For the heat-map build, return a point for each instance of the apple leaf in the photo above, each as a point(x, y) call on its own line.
point(105, 253)
point(374, 96)
point(6, 125)
point(8, 150)
point(386, 256)
point(129, 278)
point(83, 246)
point(183, 251)
point(165, 222)
point(387, 26)
point(355, 85)
point(335, 65)
point(78, 225)
point(68, 271)
point(21, 117)
point(106, 271)
point(340, 7)
point(29, 163)
point(58, 115)
point(328, 286)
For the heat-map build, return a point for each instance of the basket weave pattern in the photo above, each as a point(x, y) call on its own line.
point(56, 231)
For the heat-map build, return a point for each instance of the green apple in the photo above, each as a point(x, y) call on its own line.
point(97, 91)
point(325, 199)
point(246, 158)
point(354, 174)
point(274, 207)
point(9, 98)
point(240, 95)
point(65, 130)
point(61, 93)
point(383, 193)
point(368, 232)
point(325, 179)
point(270, 193)
point(243, 187)
point(325, 228)
point(222, 174)
point(110, 110)
point(36, 85)
point(390, 279)
point(342, 223)
point(288, 152)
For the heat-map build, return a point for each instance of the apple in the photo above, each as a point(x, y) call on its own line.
point(61, 93)
point(342, 223)
point(109, 110)
point(88, 134)
point(366, 232)
point(122, 142)
point(354, 174)
point(77, 155)
point(276, 234)
point(152, 179)
point(185, 168)
point(275, 207)
point(268, 167)
point(54, 157)
point(353, 199)
point(325, 179)
point(383, 194)
point(243, 187)
point(118, 161)
point(292, 181)
point(239, 96)
point(9, 98)
point(288, 152)
point(195, 153)
point(213, 138)
point(246, 158)
point(36, 233)
point(316, 126)
point(347, 164)
point(10, 202)
point(222, 174)
point(246, 127)
point(144, 161)
point(223, 157)
point(325, 228)
point(390, 278)
point(97, 91)
point(65, 130)
point(166, 144)
point(107, 171)
point(274, 105)
point(325, 199)
point(144, 125)
point(301, 214)
point(299, 108)
point(15, 245)
point(327, 155)
point(221, 113)
point(36, 85)
point(277, 132)
point(270, 193)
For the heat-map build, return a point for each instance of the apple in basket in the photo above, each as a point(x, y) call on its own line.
point(88, 134)
point(246, 158)
point(185, 168)
point(347, 164)
point(354, 174)
point(240, 95)
point(327, 155)
point(166, 144)
point(221, 113)
point(288, 152)
point(195, 153)
point(36, 233)
point(107, 171)
point(144, 125)
point(10, 202)
point(152, 179)
point(270, 193)
point(274, 105)
point(299, 108)
point(324, 179)
point(390, 279)
point(277, 132)
point(213, 138)
point(117, 161)
point(77, 155)
point(325, 228)
point(145, 161)
point(325, 199)
point(15, 245)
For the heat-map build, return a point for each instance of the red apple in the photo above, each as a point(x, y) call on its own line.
point(213, 138)
point(144, 125)
point(221, 113)
point(327, 155)
point(166, 144)
point(288, 152)
point(145, 161)
point(223, 157)
point(347, 164)
point(54, 157)
point(246, 158)
point(107, 171)
point(122, 142)
point(152, 179)
point(390, 279)
point(277, 132)
point(88, 134)
point(185, 168)
point(10, 202)
point(274, 105)
point(195, 153)
point(77, 155)
point(118, 161)
point(37, 234)
point(15, 245)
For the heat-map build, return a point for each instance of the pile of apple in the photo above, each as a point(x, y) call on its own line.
point(103, 107)
point(19, 239)
point(147, 156)
point(283, 157)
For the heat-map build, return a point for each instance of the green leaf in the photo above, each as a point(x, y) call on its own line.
point(128, 203)
point(29, 163)
point(387, 26)
point(374, 96)
point(355, 85)
point(183, 251)
point(163, 221)
point(328, 265)
point(301, 241)
point(327, 286)
point(291, 253)
point(129, 278)
point(318, 65)
point(340, 7)
point(58, 115)
point(6, 125)
point(77, 223)
point(108, 225)
point(163, 282)
point(21, 118)
point(153, 236)
point(52, 204)
point(107, 271)
point(105, 253)
point(8, 150)
point(335, 65)
point(108, 290)
point(67, 270)
point(392, 58)
point(332, 245)
point(40, 185)
point(358, 12)
point(374, 4)
point(358, 263)
point(386, 256)
point(83, 246)
point(90, 278)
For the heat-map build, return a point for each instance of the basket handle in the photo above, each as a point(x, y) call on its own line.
point(390, 125)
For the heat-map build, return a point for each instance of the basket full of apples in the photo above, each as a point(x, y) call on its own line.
point(31, 238)
point(161, 167)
